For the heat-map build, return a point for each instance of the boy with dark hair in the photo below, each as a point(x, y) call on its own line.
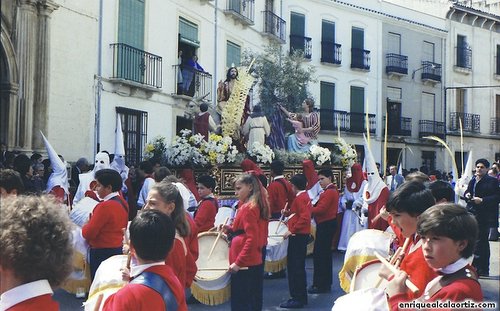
point(204, 215)
point(442, 191)
point(10, 183)
point(104, 232)
point(203, 122)
point(154, 285)
point(279, 190)
point(449, 235)
point(299, 227)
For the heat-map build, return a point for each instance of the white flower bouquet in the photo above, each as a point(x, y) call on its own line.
point(184, 151)
point(345, 153)
point(319, 155)
point(261, 153)
point(218, 149)
point(155, 149)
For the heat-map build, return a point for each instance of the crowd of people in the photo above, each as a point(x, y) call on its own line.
point(167, 214)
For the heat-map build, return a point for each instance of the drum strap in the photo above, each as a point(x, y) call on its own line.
point(216, 203)
point(158, 284)
point(117, 199)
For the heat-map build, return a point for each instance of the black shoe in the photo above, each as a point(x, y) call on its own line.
point(292, 304)
point(483, 273)
point(318, 290)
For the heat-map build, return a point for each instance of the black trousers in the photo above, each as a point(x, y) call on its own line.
point(296, 266)
point(244, 289)
point(482, 252)
point(322, 256)
point(98, 255)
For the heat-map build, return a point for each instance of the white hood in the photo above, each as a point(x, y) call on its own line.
point(118, 163)
point(59, 176)
point(375, 184)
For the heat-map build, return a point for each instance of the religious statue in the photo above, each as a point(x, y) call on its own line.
point(310, 127)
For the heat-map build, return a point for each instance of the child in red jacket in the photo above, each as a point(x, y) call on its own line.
point(104, 230)
point(204, 215)
point(449, 235)
point(154, 285)
point(299, 227)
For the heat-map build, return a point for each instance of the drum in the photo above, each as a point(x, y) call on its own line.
point(366, 276)
point(362, 300)
point(81, 211)
point(211, 284)
point(360, 249)
point(222, 214)
point(107, 281)
point(276, 247)
point(78, 281)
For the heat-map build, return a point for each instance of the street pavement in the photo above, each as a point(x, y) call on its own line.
point(276, 291)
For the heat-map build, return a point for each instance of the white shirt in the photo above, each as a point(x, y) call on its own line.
point(136, 270)
point(24, 292)
point(143, 194)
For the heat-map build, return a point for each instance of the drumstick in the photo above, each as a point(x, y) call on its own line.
point(217, 238)
point(377, 217)
point(129, 258)
point(281, 219)
point(400, 256)
point(395, 270)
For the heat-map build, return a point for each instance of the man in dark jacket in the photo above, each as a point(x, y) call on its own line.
point(483, 196)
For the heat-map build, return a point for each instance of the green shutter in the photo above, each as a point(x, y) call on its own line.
point(327, 31)
point(297, 24)
point(233, 54)
point(327, 105)
point(188, 32)
point(357, 38)
point(131, 23)
point(357, 99)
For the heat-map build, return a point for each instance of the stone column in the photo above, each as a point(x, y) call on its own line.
point(42, 78)
point(25, 47)
point(8, 126)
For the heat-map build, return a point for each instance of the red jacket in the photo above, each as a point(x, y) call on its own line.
point(43, 302)
point(138, 297)
point(204, 217)
point(105, 226)
point(418, 270)
point(327, 206)
point(374, 209)
point(192, 245)
point(300, 223)
point(457, 291)
point(280, 192)
point(246, 248)
point(178, 258)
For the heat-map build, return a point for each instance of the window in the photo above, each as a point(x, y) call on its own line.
point(428, 51)
point(359, 57)
point(461, 105)
point(298, 39)
point(394, 93)
point(131, 23)
point(394, 40)
point(357, 109)
point(429, 160)
point(327, 105)
point(330, 52)
point(134, 125)
point(498, 60)
point(464, 53)
point(188, 32)
point(428, 107)
point(233, 57)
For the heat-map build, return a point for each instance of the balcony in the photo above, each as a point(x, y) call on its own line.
point(331, 52)
point(495, 126)
point(360, 59)
point(398, 126)
point(136, 66)
point(274, 26)
point(396, 64)
point(431, 72)
point(353, 122)
point(431, 128)
point(464, 58)
point(191, 82)
point(242, 10)
point(301, 43)
point(470, 122)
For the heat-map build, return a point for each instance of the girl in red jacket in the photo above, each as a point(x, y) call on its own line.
point(204, 215)
point(449, 235)
point(246, 243)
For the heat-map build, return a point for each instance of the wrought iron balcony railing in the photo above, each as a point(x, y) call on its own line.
point(274, 25)
point(360, 59)
point(242, 10)
point(331, 52)
point(398, 126)
point(464, 57)
point(191, 82)
point(431, 71)
point(353, 122)
point(136, 65)
point(301, 43)
point(396, 64)
point(470, 122)
point(431, 128)
point(495, 126)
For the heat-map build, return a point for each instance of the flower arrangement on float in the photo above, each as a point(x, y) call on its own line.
point(262, 154)
point(344, 153)
point(319, 155)
point(155, 149)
